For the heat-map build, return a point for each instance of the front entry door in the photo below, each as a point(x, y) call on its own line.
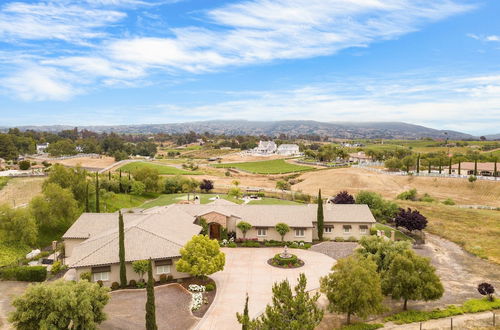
point(215, 231)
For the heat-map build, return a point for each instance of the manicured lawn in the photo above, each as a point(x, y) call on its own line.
point(477, 231)
point(120, 201)
point(399, 235)
point(277, 166)
point(162, 169)
point(273, 201)
point(167, 199)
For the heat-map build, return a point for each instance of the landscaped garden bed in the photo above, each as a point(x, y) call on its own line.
point(203, 291)
point(285, 260)
point(253, 242)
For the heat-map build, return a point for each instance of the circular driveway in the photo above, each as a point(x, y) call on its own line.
point(247, 271)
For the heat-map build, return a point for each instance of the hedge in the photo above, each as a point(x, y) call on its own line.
point(282, 261)
point(24, 273)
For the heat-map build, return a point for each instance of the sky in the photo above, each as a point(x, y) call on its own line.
point(105, 62)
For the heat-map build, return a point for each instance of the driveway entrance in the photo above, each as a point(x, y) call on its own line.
point(246, 270)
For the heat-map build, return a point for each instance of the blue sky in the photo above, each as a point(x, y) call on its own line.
point(86, 62)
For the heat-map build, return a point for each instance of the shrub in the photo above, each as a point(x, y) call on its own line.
point(249, 243)
point(132, 284)
point(373, 231)
point(56, 268)
point(449, 201)
point(100, 283)
point(427, 198)
point(339, 239)
point(115, 286)
point(163, 278)
point(24, 165)
point(170, 278)
point(24, 273)
point(209, 287)
point(410, 195)
point(286, 261)
point(232, 245)
point(294, 245)
point(352, 239)
point(86, 276)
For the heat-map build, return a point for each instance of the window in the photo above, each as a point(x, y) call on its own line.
point(104, 276)
point(261, 231)
point(300, 232)
point(164, 269)
point(328, 230)
point(363, 229)
point(347, 229)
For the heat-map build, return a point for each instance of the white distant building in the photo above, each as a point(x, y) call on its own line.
point(266, 148)
point(42, 148)
point(288, 150)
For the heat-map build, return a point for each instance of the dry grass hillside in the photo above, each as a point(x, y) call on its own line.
point(19, 191)
point(354, 179)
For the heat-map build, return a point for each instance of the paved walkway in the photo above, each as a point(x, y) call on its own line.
point(247, 270)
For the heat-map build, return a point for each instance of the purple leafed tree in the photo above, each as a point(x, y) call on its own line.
point(486, 289)
point(343, 197)
point(206, 185)
point(410, 219)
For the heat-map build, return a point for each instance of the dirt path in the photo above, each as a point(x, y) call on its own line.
point(459, 271)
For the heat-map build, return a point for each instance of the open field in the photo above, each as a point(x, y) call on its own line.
point(162, 169)
point(207, 153)
point(3, 182)
point(167, 199)
point(355, 179)
point(273, 201)
point(277, 166)
point(477, 231)
point(102, 162)
point(244, 157)
point(20, 191)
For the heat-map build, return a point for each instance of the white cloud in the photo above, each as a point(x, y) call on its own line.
point(55, 21)
point(487, 38)
point(36, 83)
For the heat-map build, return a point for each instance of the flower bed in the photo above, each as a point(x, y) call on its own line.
point(203, 291)
point(197, 296)
point(280, 262)
point(254, 242)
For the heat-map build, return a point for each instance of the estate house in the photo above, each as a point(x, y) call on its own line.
point(91, 243)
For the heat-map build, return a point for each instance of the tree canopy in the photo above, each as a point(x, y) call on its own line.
point(343, 197)
point(353, 287)
point(201, 256)
point(282, 229)
point(410, 219)
point(289, 311)
point(244, 227)
point(60, 305)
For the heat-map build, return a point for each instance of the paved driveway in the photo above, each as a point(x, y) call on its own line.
point(126, 309)
point(247, 270)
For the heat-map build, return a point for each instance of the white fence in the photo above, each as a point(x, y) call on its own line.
point(422, 173)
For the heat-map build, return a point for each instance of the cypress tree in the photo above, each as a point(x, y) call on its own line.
point(109, 175)
point(440, 166)
point(320, 216)
point(449, 166)
point(121, 186)
point(121, 252)
point(97, 206)
point(459, 166)
point(495, 169)
point(430, 164)
point(418, 163)
point(475, 166)
point(87, 208)
point(150, 302)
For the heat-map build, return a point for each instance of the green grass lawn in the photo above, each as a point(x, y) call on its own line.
point(3, 182)
point(162, 169)
point(121, 201)
point(11, 252)
point(277, 166)
point(399, 235)
point(273, 201)
point(167, 199)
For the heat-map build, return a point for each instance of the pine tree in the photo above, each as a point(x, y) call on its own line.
point(97, 206)
point(320, 217)
point(245, 318)
point(121, 242)
point(150, 302)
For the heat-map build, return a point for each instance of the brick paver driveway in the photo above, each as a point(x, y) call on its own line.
point(247, 270)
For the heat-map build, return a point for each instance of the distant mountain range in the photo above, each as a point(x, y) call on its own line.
point(347, 130)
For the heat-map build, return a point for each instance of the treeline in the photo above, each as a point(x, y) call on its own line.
point(70, 142)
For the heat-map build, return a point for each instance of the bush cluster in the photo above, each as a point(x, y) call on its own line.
point(293, 260)
point(210, 287)
point(24, 273)
point(470, 306)
point(115, 286)
point(362, 326)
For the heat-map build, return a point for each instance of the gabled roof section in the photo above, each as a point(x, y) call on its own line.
point(91, 224)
